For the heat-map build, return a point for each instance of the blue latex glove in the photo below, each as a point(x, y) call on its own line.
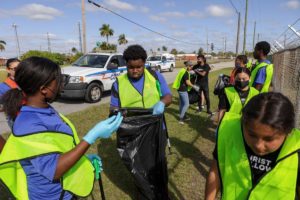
point(103, 129)
point(93, 157)
point(158, 108)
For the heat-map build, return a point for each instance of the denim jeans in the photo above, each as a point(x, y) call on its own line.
point(183, 103)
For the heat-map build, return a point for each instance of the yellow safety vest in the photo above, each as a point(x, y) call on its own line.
point(235, 100)
point(234, 167)
point(176, 84)
point(269, 76)
point(78, 180)
point(130, 98)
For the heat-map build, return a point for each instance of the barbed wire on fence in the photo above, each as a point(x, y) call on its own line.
point(286, 59)
point(289, 39)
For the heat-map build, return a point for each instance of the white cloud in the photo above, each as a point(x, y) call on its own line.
point(293, 4)
point(119, 5)
point(37, 12)
point(218, 11)
point(144, 9)
point(170, 4)
point(172, 14)
point(158, 18)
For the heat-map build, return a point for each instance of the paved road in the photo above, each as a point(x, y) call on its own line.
point(70, 106)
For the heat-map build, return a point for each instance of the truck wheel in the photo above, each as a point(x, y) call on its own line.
point(93, 93)
point(171, 68)
point(159, 69)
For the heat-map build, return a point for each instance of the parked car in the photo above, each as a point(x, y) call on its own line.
point(161, 62)
point(91, 75)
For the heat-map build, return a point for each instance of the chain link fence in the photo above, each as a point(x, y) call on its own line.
point(286, 59)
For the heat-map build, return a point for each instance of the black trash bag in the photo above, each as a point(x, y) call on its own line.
point(141, 143)
point(222, 82)
point(194, 96)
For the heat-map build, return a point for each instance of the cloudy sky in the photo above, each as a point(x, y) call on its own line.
point(190, 21)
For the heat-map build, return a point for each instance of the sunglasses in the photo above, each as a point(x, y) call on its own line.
point(13, 68)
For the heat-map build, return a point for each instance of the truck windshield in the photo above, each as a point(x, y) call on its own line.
point(97, 61)
point(154, 58)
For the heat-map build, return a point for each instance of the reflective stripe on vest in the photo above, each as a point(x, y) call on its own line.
point(176, 84)
point(78, 180)
point(269, 75)
point(129, 96)
point(235, 173)
point(11, 83)
point(235, 100)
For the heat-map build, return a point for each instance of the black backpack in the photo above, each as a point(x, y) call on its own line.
point(222, 82)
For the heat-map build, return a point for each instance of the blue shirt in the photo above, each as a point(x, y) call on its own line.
point(3, 88)
point(261, 74)
point(138, 85)
point(40, 170)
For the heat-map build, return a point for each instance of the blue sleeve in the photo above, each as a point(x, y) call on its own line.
point(260, 76)
point(114, 99)
point(3, 89)
point(45, 165)
point(163, 84)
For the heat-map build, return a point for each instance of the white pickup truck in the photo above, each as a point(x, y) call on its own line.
point(161, 62)
point(91, 75)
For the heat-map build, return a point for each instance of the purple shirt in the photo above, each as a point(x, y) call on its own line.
point(261, 74)
point(138, 85)
point(40, 170)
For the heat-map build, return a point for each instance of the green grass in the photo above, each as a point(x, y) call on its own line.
point(188, 165)
point(3, 75)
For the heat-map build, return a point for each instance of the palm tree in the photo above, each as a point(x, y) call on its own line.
point(164, 48)
point(74, 50)
point(122, 39)
point(106, 31)
point(2, 45)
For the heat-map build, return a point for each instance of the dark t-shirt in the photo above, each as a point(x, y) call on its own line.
point(259, 164)
point(183, 86)
point(202, 80)
point(223, 100)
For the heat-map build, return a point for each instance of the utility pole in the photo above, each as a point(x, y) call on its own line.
point(80, 41)
point(254, 35)
point(206, 41)
point(238, 35)
point(245, 28)
point(225, 44)
point(83, 26)
point(258, 37)
point(17, 39)
point(49, 45)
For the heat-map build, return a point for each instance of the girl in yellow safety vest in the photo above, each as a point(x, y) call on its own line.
point(257, 155)
point(44, 149)
point(234, 98)
point(183, 84)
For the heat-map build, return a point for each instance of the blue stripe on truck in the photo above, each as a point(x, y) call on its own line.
point(107, 71)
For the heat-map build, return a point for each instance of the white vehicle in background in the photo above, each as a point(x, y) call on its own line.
point(91, 75)
point(161, 62)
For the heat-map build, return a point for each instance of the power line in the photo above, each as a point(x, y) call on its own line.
point(144, 27)
point(236, 10)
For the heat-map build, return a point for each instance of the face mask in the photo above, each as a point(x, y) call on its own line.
point(241, 84)
point(237, 66)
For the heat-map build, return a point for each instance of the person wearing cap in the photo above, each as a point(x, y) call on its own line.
point(183, 84)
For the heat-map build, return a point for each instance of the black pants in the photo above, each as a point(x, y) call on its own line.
point(205, 90)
